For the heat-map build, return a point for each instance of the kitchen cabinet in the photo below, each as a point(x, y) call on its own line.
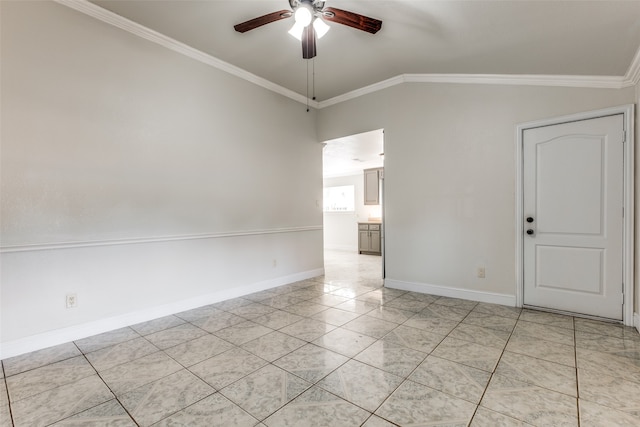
point(369, 238)
point(372, 186)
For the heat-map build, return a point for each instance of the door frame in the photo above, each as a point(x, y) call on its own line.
point(628, 199)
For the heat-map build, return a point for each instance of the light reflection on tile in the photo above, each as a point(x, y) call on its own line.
point(334, 316)
point(307, 329)
point(390, 314)
point(345, 342)
point(371, 326)
point(391, 357)
point(416, 339)
point(311, 362)
point(361, 384)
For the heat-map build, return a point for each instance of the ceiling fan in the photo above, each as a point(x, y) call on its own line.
point(309, 24)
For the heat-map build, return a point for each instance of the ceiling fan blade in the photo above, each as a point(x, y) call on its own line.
point(309, 42)
point(262, 20)
point(351, 19)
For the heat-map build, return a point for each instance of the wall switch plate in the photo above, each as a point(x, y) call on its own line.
point(481, 273)
point(72, 300)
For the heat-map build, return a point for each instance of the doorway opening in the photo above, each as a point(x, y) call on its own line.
point(353, 206)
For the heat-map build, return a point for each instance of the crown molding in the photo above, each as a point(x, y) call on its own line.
point(118, 21)
point(631, 78)
point(598, 82)
point(363, 91)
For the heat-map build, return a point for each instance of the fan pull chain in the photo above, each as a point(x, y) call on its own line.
point(307, 86)
point(313, 78)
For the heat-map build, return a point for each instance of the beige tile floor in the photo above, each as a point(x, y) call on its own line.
point(339, 351)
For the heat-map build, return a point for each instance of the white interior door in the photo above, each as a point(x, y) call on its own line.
point(573, 216)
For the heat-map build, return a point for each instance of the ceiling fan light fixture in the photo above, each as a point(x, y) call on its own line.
point(321, 27)
point(303, 15)
point(296, 31)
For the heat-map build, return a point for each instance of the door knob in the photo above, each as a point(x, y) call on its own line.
point(529, 219)
point(529, 232)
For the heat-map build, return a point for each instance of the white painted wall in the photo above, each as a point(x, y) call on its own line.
point(123, 164)
point(450, 175)
point(341, 228)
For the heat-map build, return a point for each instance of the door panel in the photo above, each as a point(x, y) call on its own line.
point(573, 192)
point(572, 203)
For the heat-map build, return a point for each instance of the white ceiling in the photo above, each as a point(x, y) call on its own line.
point(577, 38)
point(353, 154)
point(474, 37)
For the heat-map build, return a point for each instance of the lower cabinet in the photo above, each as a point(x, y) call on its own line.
point(369, 238)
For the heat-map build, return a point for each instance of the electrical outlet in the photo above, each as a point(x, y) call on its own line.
point(72, 300)
point(481, 273)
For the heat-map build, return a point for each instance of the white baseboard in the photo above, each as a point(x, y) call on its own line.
point(72, 333)
point(445, 291)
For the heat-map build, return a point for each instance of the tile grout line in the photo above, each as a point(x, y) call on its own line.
point(493, 373)
point(6, 386)
point(115, 396)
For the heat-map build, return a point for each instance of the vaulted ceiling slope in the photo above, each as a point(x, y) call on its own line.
point(587, 40)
